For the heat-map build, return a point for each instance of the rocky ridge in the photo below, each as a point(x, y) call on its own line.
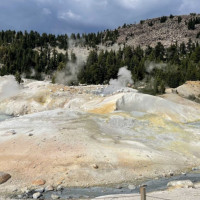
point(169, 32)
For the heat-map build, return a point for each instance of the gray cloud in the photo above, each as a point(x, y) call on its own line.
point(67, 16)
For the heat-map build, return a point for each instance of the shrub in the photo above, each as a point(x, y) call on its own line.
point(163, 19)
point(150, 23)
point(141, 21)
point(193, 14)
point(191, 24)
point(179, 19)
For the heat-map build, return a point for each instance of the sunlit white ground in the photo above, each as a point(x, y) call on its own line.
point(62, 132)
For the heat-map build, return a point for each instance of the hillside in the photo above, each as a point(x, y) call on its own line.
point(151, 31)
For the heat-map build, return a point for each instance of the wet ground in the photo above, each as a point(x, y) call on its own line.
point(4, 117)
point(86, 193)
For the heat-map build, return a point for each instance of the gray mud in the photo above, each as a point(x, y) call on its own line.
point(92, 192)
point(4, 117)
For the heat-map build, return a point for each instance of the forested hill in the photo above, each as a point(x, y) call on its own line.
point(25, 52)
point(159, 52)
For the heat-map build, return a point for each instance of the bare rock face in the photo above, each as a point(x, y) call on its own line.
point(4, 177)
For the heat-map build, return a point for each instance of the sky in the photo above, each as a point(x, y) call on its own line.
point(84, 16)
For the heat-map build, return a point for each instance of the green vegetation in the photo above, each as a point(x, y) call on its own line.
point(150, 23)
point(167, 66)
point(141, 21)
point(193, 22)
point(179, 19)
point(18, 77)
point(34, 56)
point(163, 19)
point(193, 14)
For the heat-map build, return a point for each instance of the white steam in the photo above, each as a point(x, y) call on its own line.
point(8, 87)
point(69, 74)
point(124, 78)
point(150, 66)
point(33, 72)
point(75, 43)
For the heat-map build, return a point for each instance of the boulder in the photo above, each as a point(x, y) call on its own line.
point(25, 190)
point(36, 195)
point(59, 188)
point(131, 187)
point(53, 196)
point(38, 182)
point(95, 166)
point(40, 189)
point(49, 188)
point(4, 177)
point(181, 184)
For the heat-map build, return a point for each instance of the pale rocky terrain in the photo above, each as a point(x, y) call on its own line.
point(167, 33)
point(76, 136)
point(190, 88)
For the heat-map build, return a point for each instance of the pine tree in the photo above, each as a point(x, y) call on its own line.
point(18, 77)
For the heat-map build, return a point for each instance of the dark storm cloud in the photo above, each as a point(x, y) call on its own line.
point(67, 16)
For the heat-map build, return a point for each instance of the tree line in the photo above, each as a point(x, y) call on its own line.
point(35, 55)
point(25, 52)
point(166, 66)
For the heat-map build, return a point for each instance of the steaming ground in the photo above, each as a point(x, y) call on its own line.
point(79, 136)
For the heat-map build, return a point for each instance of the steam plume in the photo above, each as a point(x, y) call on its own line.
point(150, 66)
point(69, 74)
point(124, 78)
point(8, 87)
